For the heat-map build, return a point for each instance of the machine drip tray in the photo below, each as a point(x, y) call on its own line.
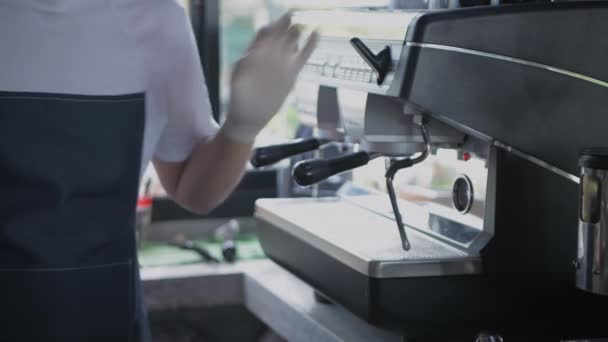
point(364, 240)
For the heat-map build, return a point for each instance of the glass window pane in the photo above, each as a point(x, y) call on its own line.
point(240, 19)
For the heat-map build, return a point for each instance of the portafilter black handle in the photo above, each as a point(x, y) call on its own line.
point(309, 172)
point(268, 155)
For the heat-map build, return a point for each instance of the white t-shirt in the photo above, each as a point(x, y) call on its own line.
point(112, 47)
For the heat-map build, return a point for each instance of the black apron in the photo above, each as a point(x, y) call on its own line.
point(69, 174)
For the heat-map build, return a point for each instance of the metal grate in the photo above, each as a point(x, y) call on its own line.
point(361, 232)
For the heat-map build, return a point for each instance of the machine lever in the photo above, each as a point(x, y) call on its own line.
point(309, 172)
point(267, 155)
point(381, 63)
point(392, 170)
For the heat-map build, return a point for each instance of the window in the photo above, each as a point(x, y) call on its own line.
point(239, 22)
point(240, 19)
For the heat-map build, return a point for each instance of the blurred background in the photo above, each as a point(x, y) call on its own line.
point(239, 21)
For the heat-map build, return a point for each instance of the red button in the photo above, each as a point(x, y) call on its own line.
point(144, 202)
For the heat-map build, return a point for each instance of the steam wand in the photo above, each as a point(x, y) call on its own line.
point(394, 167)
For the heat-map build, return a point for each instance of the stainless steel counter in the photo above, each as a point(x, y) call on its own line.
point(273, 295)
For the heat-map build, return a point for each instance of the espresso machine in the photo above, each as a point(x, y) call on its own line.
point(490, 211)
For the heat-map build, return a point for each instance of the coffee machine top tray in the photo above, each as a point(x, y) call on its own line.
point(363, 240)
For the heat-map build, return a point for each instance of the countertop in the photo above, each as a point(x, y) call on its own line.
point(272, 294)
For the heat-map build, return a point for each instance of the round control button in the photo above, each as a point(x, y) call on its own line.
point(462, 194)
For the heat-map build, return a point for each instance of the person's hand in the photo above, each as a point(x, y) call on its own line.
point(263, 78)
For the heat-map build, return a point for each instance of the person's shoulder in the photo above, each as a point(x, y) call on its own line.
point(168, 11)
point(166, 20)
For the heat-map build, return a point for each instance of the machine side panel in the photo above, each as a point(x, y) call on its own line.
point(536, 222)
point(543, 113)
point(567, 35)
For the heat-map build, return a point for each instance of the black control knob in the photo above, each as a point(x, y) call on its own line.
point(488, 337)
point(309, 172)
point(229, 250)
point(381, 62)
point(269, 155)
point(462, 194)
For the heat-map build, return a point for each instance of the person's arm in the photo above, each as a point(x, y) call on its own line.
point(261, 81)
point(214, 169)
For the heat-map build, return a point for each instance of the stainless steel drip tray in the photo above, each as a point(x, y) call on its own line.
point(363, 240)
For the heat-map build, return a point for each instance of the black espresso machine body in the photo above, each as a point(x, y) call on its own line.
point(528, 82)
point(526, 286)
